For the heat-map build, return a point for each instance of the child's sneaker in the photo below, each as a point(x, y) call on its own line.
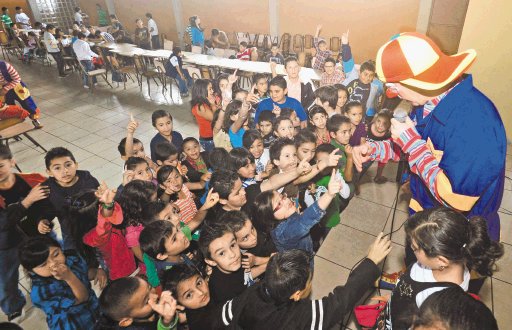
point(17, 317)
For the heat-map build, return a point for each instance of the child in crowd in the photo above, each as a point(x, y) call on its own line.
point(278, 216)
point(322, 51)
point(318, 122)
point(164, 246)
point(253, 141)
point(60, 286)
point(174, 69)
point(354, 112)
point(242, 162)
point(135, 168)
point(244, 51)
point(204, 104)
point(131, 146)
point(274, 55)
point(289, 113)
point(162, 121)
point(283, 128)
point(364, 90)
point(331, 74)
point(279, 100)
point(129, 303)
point(260, 82)
point(65, 180)
point(327, 98)
point(380, 130)
point(447, 246)
point(339, 129)
point(221, 252)
point(30, 46)
point(342, 98)
point(141, 35)
point(108, 236)
point(265, 124)
point(167, 154)
point(224, 86)
point(251, 241)
point(281, 300)
point(196, 163)
point(235, 119)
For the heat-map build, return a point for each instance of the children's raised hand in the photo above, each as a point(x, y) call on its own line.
point(101, 278)
point(348, 150)
point(128, 176)
point(344, 38)
point(44, 227)
point(206, 177)
point(232, 78)
point(273, 66)
point(304, 167)
point(251, 97)
point(211, 199)
point(269, 166)
point(165, 307)
point(379, 249)
point(333, 158)
point(318, 28)
point(132, 125)
point(277, 110)
point(334, 185)
point(104, 194)
point(361, 154)
point(182, 169)
point(249, 261)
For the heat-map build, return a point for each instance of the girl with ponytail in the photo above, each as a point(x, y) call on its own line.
point(448, 246)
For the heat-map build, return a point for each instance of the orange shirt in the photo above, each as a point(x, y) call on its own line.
point(205, 126)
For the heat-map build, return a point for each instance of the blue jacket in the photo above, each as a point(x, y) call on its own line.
point(467, 131)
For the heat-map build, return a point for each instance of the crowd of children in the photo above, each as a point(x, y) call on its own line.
point(220, 231)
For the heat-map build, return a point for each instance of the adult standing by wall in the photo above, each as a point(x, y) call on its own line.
point(79, 16)
point(457, 143)
point(22, 18)
point(52, 45)
point(153, 30)
point(195, 31)
point(102, 15)
point(219, 39)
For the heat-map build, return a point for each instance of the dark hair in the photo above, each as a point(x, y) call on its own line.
point(277, 122)
point(316, 109)
point(35, 250)
point(50, 27)
point(210, 232)
point(132, 162)
point(290, 59)
point(113, 16)
point(77, 9)
point(330, 60)
point(164, 150)
point(263, 212)
point(217, 158)
point(174, 276)
point(325, 147)
point(456, 310)
point(9, 326)
point(5, 152)
point(223, 181)
point(115, 298)
point(278, 81)
point(234, 220)
point(444, 232)
point(232, 109)
point(149, 15)
point(215, 32)
point(287, 272)
point(327, 94)
point(334, 123)
point(267, 115)
point(274, 44)
point(351, 104)
point(153, 236)
point(192, 22)
point(240, 157)
point(200, 92)
point(56, 152)
point(152, 209)
point(138, 19)
point(121, 147)
point(258, 76)
point(134, 198)
point(164, 172)
point(383, 113)
point(367, 66)
point(243, 44)
point(340, 87)
point(17, 8)
point(286, 113)
point(277, 146)
point(304, 136)
point(250, 136)
point(189, 139)
point(176, 50)
point(80, 35)
point(159, 114)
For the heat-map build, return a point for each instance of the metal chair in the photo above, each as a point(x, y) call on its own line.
point(285, 44)
point(8, 48)
point(335, 44)
point(144, 71)
point(308, 41)
point(93, 73)
point(298, 43)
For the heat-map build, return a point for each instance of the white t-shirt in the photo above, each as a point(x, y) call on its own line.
point(262, 161)
point(24, 20)
point(152, 24)
point(422, 274)
point(52, 45)
point(174, 61)
point(78, 18)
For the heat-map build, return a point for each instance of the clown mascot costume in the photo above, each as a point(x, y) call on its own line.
point(456, 144)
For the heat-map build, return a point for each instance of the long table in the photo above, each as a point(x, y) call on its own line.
point(129, 50)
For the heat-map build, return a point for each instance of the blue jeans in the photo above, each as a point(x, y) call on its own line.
point(182, 84)
point(207, 144)
point(11, 298)
point(88, 66)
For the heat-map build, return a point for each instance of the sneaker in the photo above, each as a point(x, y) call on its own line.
point(63, 76)
point(86, 87)
point(95, 84)
point(36, 123)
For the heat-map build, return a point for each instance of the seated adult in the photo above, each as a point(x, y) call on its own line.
point(219, 39)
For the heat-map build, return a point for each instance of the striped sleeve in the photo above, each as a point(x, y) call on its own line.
point(317, 315)
point(14, 76)
point(384, 151)
point(227, 313)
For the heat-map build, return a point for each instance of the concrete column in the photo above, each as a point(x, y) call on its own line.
point(178, 18)
point(424, 16)
point(273, 15)
point(111, 8)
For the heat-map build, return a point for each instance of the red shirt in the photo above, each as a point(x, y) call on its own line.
point(245, 55)
point(205, 126)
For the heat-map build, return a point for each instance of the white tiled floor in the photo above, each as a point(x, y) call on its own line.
point(91, 126)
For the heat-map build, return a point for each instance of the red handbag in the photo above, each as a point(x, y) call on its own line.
point(367, 315)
